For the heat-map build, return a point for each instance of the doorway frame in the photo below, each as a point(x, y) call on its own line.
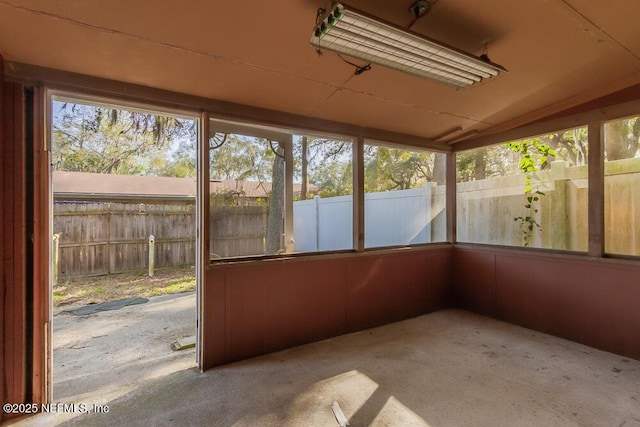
point(44, 192)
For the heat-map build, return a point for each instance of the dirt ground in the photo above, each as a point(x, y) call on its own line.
point(101, 356)
point(97, 289)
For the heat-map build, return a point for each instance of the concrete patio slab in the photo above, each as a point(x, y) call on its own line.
point(447, 368)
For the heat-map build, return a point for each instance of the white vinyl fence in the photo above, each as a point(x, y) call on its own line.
point(391, 218)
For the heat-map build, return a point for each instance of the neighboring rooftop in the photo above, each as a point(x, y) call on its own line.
point(85, 185)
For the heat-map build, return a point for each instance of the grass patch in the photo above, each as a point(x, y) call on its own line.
point(94, 290)
point(185, 284)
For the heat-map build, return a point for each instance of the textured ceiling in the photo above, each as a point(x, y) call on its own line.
point(558, 53)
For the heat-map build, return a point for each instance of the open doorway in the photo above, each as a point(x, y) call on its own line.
point(123, 245)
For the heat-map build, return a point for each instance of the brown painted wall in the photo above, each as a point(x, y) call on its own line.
point(3, 343)
point(39, 216)
point(258, 307)
point(13, 270)
point(592, 301)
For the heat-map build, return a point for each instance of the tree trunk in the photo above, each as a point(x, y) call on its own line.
point(440, 168)
point(480, 171)
point(305, 166)
point(616, 144)
point(275, 219)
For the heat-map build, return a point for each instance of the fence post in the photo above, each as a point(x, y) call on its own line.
point(152, 249)
point(56, 257)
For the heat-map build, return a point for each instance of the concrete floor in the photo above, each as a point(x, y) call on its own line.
point(449, 368)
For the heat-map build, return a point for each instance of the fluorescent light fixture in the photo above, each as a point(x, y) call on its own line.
point(351, 32)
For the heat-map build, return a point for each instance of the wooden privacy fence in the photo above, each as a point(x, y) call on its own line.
point(237, 230)
point(486, 209)
point(97, 238)
point(104, 238)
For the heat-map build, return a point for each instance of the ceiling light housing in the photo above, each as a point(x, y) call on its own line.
point(348, 31)
point(420, 8)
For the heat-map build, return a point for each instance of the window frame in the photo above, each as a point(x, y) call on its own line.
point(594, 120)
point(602, 248)
point(535, 186)
point(266, 131)
point(410, 149)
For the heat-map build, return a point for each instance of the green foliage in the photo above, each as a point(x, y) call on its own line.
point(185, 284)
point(110, 140)
point(534, 156)
point(486, 162)
point(328, 166)
point(394, 169)
point(622, 139)
point(332, 178)
point(570, 145)
point(502, 160)
point(242, 158)
point(225, 198)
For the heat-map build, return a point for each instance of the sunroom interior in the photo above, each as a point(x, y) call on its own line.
point(550, 243)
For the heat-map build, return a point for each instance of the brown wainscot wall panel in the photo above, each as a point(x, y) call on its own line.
point(253, 308)
point(387, 288)
point(591, 301)
point(13, 280)
point(214, 319)
point(473, 280)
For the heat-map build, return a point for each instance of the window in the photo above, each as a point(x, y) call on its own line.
point(531, 192)
point(404, 196)
point(272, 192)
point(622, 178)
point(246, 194)
point(323, 194)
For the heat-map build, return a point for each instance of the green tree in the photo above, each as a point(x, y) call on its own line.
point(111, 140)
point(323, 163)
point(243, 158)
point(333, 178)
point(622, 139)
point(394, 169)
point(486, 162)
point(240, 158)
point(180, 161)
point(570, 146)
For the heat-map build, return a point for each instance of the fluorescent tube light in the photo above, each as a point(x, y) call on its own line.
point(353, 33)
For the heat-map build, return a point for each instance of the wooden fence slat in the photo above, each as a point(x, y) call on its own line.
point(99, 238)
point(237, 230)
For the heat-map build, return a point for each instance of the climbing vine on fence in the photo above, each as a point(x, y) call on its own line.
point(534, 157)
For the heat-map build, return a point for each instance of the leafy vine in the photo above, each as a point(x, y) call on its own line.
point(534, 157)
